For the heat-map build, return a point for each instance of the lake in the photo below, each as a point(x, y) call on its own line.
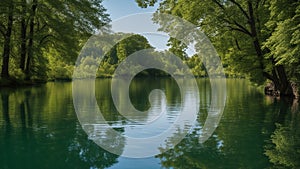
point(40, 129)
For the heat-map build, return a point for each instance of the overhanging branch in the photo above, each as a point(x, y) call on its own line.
point(44, 38)
point(268, 76)
point(241, 8)
point(218, 3)
point(242, 27)
point(236, 26)
point(237, 29)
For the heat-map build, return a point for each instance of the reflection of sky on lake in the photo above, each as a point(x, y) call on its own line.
point(130, 163)
point(160, 123)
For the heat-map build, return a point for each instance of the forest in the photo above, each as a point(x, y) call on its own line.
point(258, 40)
point(41, 44)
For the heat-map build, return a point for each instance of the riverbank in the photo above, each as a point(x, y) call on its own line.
point(15, 83)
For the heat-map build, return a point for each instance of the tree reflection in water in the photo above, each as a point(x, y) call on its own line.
point(189, 153)
point(283, 148)
point(240, 139)
point(39, 129)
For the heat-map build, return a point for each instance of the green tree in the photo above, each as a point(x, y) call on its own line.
point(284, 41)
point(37, 26)
point(177, 48)
point(127, 46)
point(238, 30)
point(196, 66)
point(6, 31)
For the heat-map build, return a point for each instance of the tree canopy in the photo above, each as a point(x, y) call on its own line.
point(34, 33)
point(258, 39)
point(40, 39)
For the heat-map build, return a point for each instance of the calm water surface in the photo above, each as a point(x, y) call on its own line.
point(39, 129)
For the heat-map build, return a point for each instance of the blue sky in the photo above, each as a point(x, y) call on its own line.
point(119, 11)
point(121, 8)
point(122, 13)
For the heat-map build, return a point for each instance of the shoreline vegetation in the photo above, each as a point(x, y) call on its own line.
point(256, 40)
point(267, 89)
point(15, 83)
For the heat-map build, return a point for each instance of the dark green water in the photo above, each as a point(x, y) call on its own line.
point(39, 129)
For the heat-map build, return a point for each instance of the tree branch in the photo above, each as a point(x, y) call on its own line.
point(268, 76)
point(1, 30)
point(239, 27)
point(237, 44)
point(240, 7)
point(218, 3)
point(243, 28)
point(44, 38)
point(236, 29)
point(43, 27)
point(257, 4)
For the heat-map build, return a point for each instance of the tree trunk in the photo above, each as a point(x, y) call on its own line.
point(23, 36)
point(253, 31)
point(30, 42)
point(7, 39)
point(285, 86)
point(278, 76)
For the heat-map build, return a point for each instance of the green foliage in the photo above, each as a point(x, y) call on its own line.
point(146, 3)
point(284, 43)
point(41, 27)
point(196, 66)
point(15, 71)
point(177, 48)
point(255, 39)
point(226, 24)
point(127, 46)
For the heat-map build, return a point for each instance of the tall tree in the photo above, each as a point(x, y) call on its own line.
point(126, 47)
point(23, 30)
point(238, 30)
point(7, 31)
point(31, 37)
point(36, 26)
point(284, 41)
